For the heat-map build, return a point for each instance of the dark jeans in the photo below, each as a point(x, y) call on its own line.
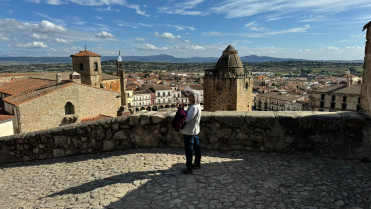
point(192, 143)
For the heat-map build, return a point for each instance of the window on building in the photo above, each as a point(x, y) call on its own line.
point(344, 106)
point(69, 109)
point(95, 66)
point(168, 93)
point(276, 102)
point(333, 98)
point(358, 108)
point(163, 94)
point(344, 98)
point(322, 97)
point(281, 109)
point(246, 85)
point(81, 67)
point(272, 108)
point(281, 103)
point(158, 94)
point(276, 108)
point(272, 102)
point(322, 104)
point(128, 94)
point(359, 100)
point(333, 105)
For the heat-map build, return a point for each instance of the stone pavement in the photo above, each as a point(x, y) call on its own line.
point(151, 178)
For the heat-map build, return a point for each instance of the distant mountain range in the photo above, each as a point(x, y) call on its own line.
point(153, 58)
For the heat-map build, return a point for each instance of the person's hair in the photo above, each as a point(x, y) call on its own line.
point(196, 95)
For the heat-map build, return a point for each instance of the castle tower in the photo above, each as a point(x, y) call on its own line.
point(88, 65)
point(228, 87)
point(366, 82)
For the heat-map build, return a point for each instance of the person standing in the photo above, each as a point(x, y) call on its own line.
point(191, 131)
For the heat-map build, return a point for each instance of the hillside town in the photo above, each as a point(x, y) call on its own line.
point(37, 101)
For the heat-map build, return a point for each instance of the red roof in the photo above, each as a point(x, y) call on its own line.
point(85, 53)
point(21, 85)
point(6, 117)
point(94, 118)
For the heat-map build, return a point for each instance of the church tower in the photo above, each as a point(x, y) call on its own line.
point(88, 64)
point(228, 87)
point(121, 74)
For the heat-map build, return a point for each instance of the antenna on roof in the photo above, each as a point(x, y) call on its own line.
point(85, 46)
point(119, 52)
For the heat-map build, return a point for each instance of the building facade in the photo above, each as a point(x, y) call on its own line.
point(228, 87)
point(336, 98)
point(59, 104)
point(275, 101)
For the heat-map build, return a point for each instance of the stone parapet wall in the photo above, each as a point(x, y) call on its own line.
point(341, 135)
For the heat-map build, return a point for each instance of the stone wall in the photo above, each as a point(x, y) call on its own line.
point(48, 111)
point(342, 135)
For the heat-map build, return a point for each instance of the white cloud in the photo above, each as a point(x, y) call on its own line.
point(3, 37)
point(187, 41)
point(197, 47)
point(254, 27)
point(354, 47)
point(137, 9)
point(39, 36)
point(213, 33)
point(150, 47)
point(305, 50)
point(35, 44)
point(279, 8)
point(140, 39)
point(184, 8)
point(105, 35)
point(61, 40)
point(46, 26)
point(332, 48)
point(279, 32)
point(166, 35)
point(180, 27)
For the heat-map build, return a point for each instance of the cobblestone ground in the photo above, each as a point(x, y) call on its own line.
point(151, 178)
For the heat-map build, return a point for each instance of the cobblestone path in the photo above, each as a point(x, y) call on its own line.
point(151, 178)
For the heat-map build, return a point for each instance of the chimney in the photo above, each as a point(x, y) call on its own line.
point(58, 78)
point(75, 77)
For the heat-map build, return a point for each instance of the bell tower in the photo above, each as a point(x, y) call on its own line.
point(88, 64)
point(228, 87)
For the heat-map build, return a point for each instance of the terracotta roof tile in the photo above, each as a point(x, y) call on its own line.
point(34, 93)
point(21, 85)
point(94, 118)
point(198, 87)
point(5, 117)
point(85, 53)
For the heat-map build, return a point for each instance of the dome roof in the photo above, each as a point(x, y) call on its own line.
point(230, 61)
point(119, 59)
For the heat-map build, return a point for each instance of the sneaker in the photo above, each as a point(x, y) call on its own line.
point(186, 171)
point(196, 166)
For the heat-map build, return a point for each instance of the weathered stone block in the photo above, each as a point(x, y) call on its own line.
point(61, 141)
point(108, 145)
point(120, 135)
point(58, 152)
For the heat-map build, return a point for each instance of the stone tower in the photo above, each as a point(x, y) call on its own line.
point(228, 87)
point(366, 83)
point(121, 73)
point(88, 65)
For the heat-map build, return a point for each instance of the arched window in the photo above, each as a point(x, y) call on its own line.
point(95, 66)
point(158, 94)
point(81, 67)
point(69, 109)
point(246, 85)
point(163, 94)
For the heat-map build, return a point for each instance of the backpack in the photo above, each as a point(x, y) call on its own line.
point(178, 121)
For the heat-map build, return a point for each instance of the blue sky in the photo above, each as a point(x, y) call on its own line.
point(310, 29)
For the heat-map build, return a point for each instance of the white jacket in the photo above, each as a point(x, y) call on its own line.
point(192, 126)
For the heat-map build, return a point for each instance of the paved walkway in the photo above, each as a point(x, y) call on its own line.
point(148, 178)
